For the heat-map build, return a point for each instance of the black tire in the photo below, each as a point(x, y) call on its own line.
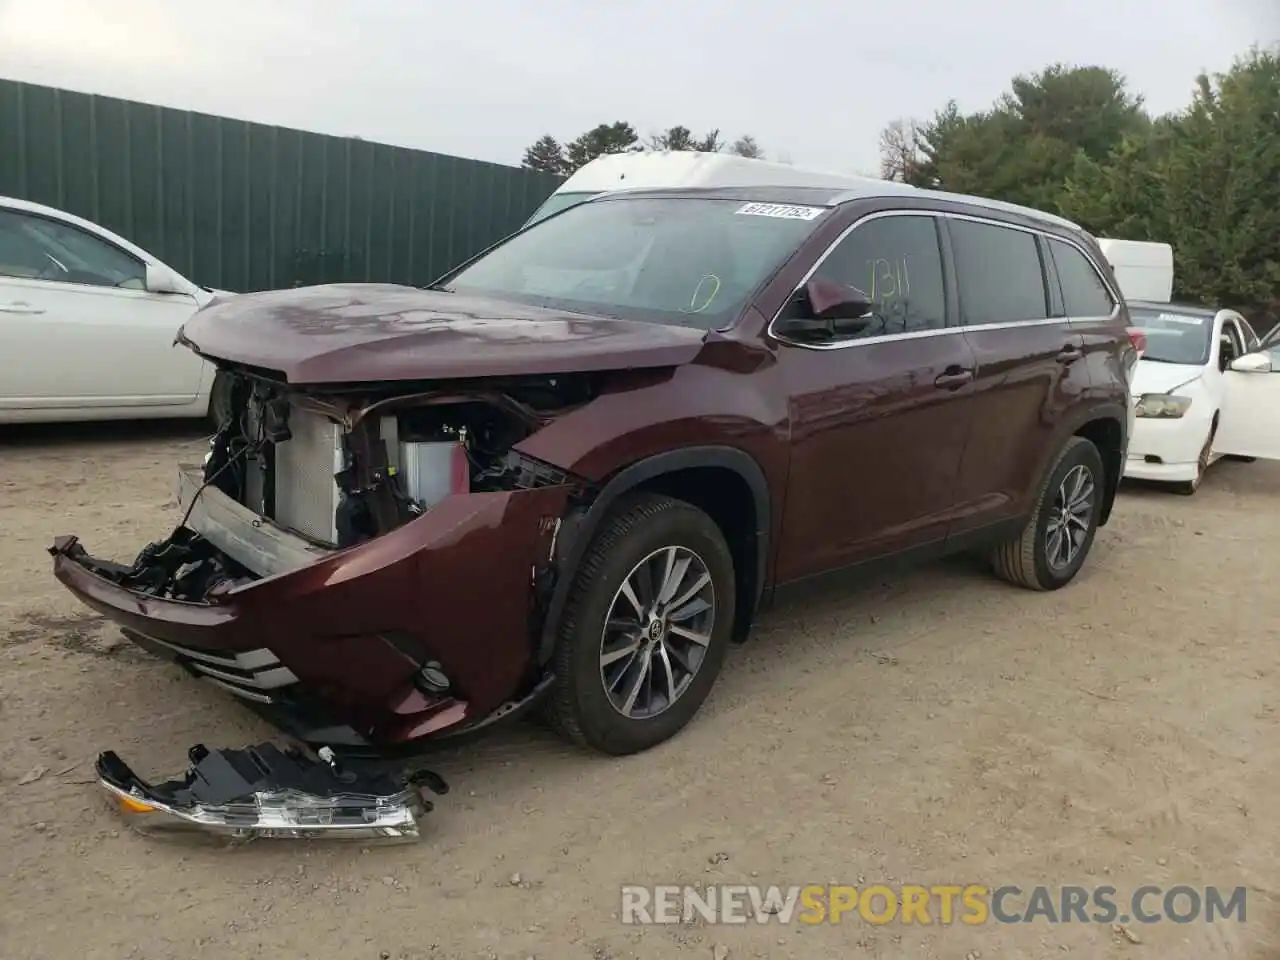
point(1189, 487)
point(1024, 560)
point(220, 410)
point(578, 705)
point(1232, 456)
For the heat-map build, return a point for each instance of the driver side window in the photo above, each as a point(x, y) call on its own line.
point(896, 262)
point(1231, 344)
point(36, 248)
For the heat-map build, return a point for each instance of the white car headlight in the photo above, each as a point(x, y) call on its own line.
point(1161, 405)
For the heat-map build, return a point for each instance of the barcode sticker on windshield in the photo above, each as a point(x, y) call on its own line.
point(1183, 318)
point(780, 211)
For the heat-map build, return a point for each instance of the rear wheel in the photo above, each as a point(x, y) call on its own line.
point(645, 628)
point(1056, 540)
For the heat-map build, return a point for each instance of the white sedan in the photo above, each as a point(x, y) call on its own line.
point(87, 323)
point(1205, 388)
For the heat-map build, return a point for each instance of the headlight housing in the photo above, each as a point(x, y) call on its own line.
point(1161, 406)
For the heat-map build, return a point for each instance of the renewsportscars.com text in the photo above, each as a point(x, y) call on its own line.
point(972, 904)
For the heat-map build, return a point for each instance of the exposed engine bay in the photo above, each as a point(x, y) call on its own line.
point(339, 469)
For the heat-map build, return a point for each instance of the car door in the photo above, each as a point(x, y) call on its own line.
point(878, 418)
point(78, 326)
point(1250, 422)
point(1031, 368)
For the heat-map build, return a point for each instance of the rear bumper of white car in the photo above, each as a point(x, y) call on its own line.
point(1166, 450)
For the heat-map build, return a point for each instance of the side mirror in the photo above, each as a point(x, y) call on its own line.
point(163, 280)
point(830, 309)
point(834, 301)
point(1252, 363)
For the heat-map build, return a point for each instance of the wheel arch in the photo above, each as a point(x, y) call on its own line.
point(1104, 427)
point(688, 473)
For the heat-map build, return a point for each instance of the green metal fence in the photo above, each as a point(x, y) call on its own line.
point(244, 206)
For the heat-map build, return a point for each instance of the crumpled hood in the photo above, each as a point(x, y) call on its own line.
point(350, 333)
point(1155, 377)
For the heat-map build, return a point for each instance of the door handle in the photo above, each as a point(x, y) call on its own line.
point(1069, 354)
point(953, 378)
point(19, 308)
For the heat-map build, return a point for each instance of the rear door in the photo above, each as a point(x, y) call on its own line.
point(78, 326)
point(878, 418)
point(1030, 367)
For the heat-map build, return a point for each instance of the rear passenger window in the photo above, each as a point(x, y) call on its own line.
point(1083, 292)
point(999, 274)
point(896, 262)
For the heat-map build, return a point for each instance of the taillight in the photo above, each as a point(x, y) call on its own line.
point(1139, 341)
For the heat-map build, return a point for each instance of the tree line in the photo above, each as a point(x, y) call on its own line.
point(1075, 141)
point(550, 155)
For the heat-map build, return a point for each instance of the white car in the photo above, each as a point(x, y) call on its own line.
point(87, 324)
point(1204, 388)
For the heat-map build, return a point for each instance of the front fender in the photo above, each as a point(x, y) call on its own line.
point(579, 526)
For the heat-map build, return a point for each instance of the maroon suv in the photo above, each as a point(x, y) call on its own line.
point(575, 469)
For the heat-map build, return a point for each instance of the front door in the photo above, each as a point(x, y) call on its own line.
point(78, 326)
point(1250, 421)
point(878, 418)
point(1031, 362)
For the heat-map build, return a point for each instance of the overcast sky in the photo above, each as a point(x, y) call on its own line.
point(813, 80)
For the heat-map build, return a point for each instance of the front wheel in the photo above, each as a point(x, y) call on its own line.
point(1189, 487)
point(1053, 545)
point(645, 628)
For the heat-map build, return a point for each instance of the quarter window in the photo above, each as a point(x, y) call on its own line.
point(999, 274)
point(1083, 292)
point(897, 263)
point(36, 248)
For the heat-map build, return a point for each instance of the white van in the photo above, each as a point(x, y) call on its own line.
point(1144, 270)
point(651, 170)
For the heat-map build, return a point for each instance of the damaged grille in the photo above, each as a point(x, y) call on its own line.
point(306, 496)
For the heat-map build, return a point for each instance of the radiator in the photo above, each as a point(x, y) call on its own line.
point(305, 492)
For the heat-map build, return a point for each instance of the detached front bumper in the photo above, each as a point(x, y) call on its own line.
point(332, 645)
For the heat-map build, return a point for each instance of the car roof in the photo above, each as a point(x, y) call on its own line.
point(653, 169)
point(834, 196)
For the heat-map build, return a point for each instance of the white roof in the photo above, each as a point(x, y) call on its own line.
point(657, 169)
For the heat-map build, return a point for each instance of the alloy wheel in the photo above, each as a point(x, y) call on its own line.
point(657, 631)
point(1070, 517)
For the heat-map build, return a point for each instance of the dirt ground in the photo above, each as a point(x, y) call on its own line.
point(938, 728)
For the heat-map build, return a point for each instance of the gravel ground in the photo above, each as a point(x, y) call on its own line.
point(940, 727)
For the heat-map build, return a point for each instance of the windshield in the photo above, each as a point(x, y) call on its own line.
point(691, 262)
point(1174, 337)
point(557, 202)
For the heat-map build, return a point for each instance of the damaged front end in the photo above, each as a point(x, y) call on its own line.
point(369, 568)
